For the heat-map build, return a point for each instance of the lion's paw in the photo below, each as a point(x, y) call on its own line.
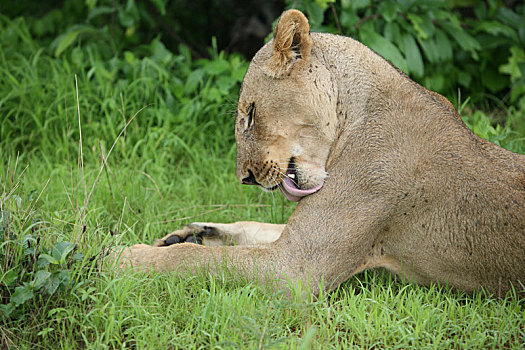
point(193, 233)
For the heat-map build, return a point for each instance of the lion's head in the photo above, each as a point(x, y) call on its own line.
point(286, 117)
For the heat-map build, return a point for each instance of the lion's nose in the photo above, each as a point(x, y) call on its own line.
point(250, 179)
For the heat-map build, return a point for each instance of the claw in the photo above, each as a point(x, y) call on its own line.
point(196, 239)
point(173, 240)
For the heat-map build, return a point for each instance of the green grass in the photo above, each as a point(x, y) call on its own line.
point(174, 164)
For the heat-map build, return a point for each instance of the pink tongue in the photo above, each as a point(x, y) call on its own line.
point(292, 193)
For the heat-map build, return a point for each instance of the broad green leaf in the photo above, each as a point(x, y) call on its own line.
point(159, 51)
point(512, 67)
point(432, 4)
point(521, 34)
point(239, 73)
point(130, 15)
point(62, 42)
point(130, 57)
point(6, 310)
point(422, 25)
point(126, 19)
point(42, 262)
point(506, 15)
point(435, 82)
point(413, 55)
point(77, 56)
point(9, 277)
point(359, 4)
point(51, 286)
point(40, 278)
point(45, 331)
point(61, 250)
point(193, 81)
point(383, 47)
point(177, 88)
point(388, 9)
point(216, 67)
point(464, 39)
point(49, 259)
point(78, 256)
point(324, 3)
point(160, 5)
point(225, 83)
point(430, 50)
point(100, 10)
point(348, 20)
point(392, 32)
point(315, 13)
point(65, 41)
point(214, 94)
point(443, 46)
point(21, 295)
point(91, 4)
point(518, 91)
point(405, 5)
point(64, 277)
point(496, 28)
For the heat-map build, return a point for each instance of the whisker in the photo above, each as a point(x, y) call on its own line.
point(294, 180)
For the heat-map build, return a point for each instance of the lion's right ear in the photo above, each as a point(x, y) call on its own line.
point(292, 43)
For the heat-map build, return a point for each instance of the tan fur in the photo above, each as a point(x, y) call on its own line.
point(407, 186)
point(292, 34)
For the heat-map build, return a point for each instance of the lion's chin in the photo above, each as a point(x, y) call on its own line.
point(294, 193)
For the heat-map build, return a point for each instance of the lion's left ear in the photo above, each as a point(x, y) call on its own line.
point(292, 43)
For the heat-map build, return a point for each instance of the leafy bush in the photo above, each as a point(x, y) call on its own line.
point(30, 272)
point(175, 89)
point(444, 45)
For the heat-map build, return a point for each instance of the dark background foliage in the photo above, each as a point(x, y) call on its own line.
point(448, 46)
point(467, 50)
point(238, 26)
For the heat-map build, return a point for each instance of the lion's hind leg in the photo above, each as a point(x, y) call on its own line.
point(213, 234)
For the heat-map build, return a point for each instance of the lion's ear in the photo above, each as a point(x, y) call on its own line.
point(291, 43)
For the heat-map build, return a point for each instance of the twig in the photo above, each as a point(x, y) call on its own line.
point(364, 19)
point(336, 18)
point(123, 112)
point(187, 217)
point(121, 216)
point(151, 179)
point(105, 165)
point(136, 214)
point(12, 190)
point(111, 150)
point(34, 203)
point(68, 196)
point(83, 212)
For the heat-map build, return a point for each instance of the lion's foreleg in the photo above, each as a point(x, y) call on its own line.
point(257, 263)
point(213, 234)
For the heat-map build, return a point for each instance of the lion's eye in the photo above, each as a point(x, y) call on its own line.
point(251, 112)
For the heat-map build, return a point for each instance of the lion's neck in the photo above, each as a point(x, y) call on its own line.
point(361, 78)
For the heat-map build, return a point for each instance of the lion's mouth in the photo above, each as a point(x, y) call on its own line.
point(291, 189)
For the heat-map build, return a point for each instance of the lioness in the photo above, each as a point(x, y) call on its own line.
point(385, 172)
